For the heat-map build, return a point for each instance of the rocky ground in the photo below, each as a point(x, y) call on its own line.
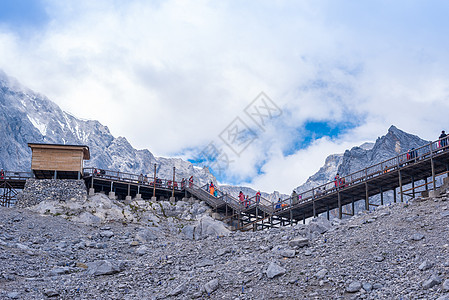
point(143, 251)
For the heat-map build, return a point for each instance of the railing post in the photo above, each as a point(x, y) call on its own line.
point(366, 196)
point(340, 212)
point(173, 183)
point(433, 168)
point(154, 181)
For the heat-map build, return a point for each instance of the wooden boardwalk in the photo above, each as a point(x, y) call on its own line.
point(422, 164)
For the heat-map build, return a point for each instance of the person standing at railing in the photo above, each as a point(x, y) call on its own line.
point(145, 179)
point(443, 139)
point(295, 198)
point(337, 181)
point(140, 178)
point(2, 174)
point(191, 181)
point(242, 198)
point(258, 197)
point(211, 188)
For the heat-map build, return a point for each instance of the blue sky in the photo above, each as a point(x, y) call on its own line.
point(341, 72)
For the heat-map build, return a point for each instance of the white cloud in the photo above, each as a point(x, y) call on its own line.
point(171, 75)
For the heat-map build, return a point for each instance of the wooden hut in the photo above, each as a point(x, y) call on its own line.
point(58, 161)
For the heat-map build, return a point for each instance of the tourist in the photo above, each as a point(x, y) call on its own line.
point(242, 198)
point(140, 179)
point(145, 179)
point(337, 181)
point(295, 198)
point(191, 181)
point(443, 139)
point(258, 197)
point(2, 174)
point(278, 205)
point(211, 188)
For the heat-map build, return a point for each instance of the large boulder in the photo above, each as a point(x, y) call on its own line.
point(319, 225)
point(206, 226)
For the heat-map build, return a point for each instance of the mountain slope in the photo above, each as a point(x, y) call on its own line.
point(394, 142)
point(28, 117)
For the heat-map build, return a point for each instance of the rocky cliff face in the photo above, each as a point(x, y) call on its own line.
point(28, 117)
point(393, 143)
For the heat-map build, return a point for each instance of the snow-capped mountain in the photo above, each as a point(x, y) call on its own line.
point(394, 142)
point(28, 117)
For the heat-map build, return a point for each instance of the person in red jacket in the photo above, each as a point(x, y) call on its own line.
point(258, 197)
point(2, 174)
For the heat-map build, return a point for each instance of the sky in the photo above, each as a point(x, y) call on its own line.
point(260, 91)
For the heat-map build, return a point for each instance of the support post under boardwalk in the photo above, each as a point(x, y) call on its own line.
point(413, 187)
point(304, 218)
point(291, 217)
point(327, 212)
point(381, 196)
point(314, 209)
point(353, 206)
point(425, 181)
point(154, 181)
point(366, 197)
point(394, 195)
point(400, 186)
point(433, 174)
point(340, 213)
point(129, 189)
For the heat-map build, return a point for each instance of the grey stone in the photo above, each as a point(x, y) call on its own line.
point(103, 267)
point(51, 293)
point(13, 295)
point(287, 253)
point(299, 242)
point(444, 297)
point(146, 235)
point(178, 290)
point(320, 225)
point(211, 286)
point(445, 286)
point(417, 236)
point(367, 286)
point(321, 274)
point(377, 286)
point(59, 271)
point(379, 258)
point(354, 287)
point(431, 282)
point(426, 265)
point(274, 270)
point(107, 233)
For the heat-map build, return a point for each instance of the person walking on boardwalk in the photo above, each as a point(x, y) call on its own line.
point(295, 198)
point(2, 174)
point(443, 138)
point(191, 181)
point(258, 197)
point(242, 198)
point(211, 188)
point(337, 180)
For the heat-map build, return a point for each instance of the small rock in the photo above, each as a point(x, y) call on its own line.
point(431, 282)
point(103, 267)
point(274, 270)
point(177, 291)
point(426, 265)
point(211, 286)
point(367, 286)
point(377, 286)
point(445, 287)
point(299, 242)
point(288, 253)
point(106, 233)
point(379, 258)
point(51, 293)
point(13, 295)
point(417, 236)
point(321, 274)
point(354, 287)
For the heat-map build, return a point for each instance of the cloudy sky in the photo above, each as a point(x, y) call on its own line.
point(184, 78)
